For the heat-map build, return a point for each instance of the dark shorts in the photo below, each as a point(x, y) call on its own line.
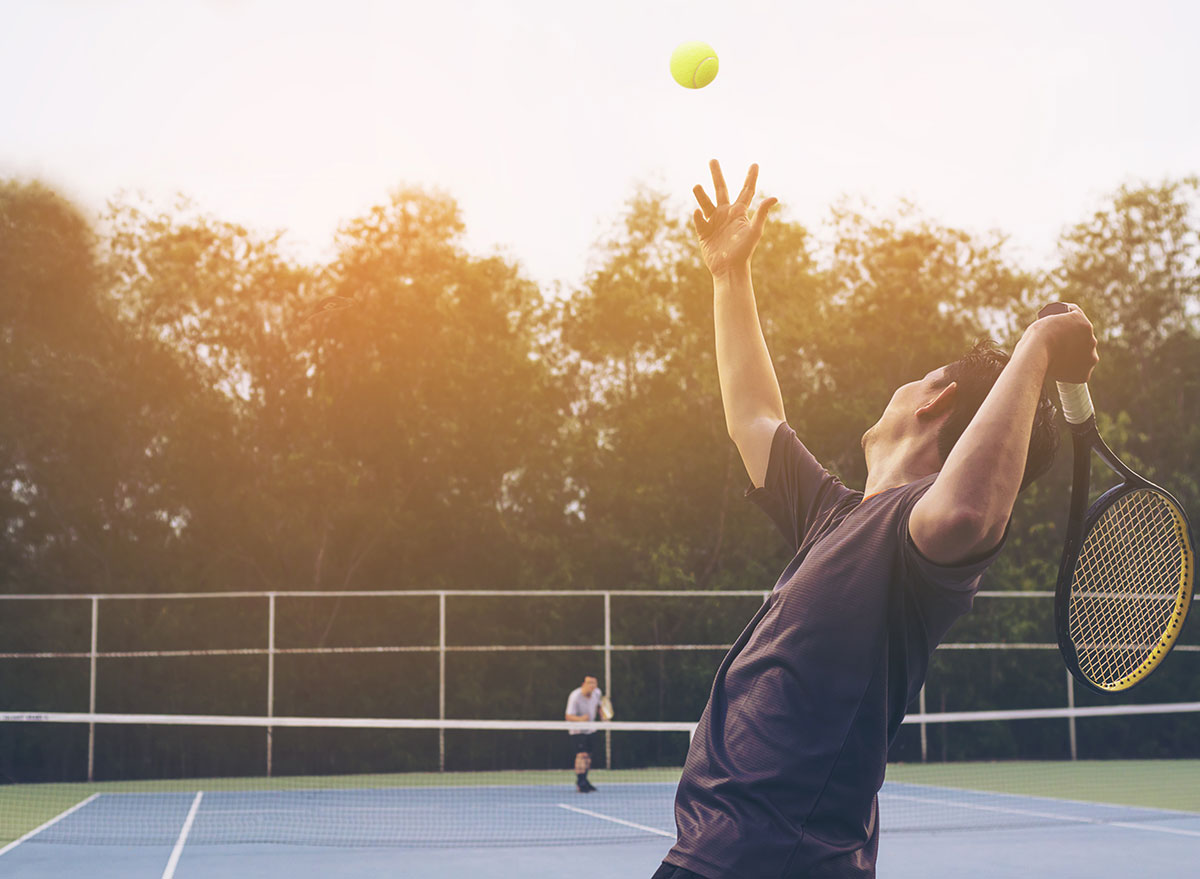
point(670, 871)
point(582, 742)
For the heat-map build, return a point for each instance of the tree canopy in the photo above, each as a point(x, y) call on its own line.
point(172, 419)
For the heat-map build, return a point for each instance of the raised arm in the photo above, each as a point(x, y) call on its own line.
point(729, 233)
point(965, 511)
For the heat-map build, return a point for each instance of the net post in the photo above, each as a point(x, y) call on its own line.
point(441, 679)
point(270, 678)
point(608, 672)
point(924, 731)
point(1071, 719)
point(92, 687)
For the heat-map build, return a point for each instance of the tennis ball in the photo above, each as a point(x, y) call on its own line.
point(694, 65)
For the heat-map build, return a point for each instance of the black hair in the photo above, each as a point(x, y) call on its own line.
point(975, 373)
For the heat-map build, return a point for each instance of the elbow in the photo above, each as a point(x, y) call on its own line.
point(965, 524)
point(991, 537)
point(974, 533)
point(957, 536)
point(748, 429)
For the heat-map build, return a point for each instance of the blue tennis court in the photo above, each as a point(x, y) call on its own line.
point(510, 831)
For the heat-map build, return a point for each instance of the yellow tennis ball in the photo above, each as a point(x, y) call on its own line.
point(694, 65)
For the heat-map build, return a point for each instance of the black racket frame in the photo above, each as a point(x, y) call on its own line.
point(1086, 439)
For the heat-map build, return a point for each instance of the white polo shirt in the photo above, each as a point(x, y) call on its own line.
point(577, 704)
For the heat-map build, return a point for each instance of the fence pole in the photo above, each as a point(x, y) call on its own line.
point(441, 680)
point(924, 733)
point(270, 679)
point(608, 673)
point(1071, 720)
point(92, 686)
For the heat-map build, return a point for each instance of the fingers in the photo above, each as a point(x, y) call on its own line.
point(722, 191)
point(1072, 308)
point(747, 194)
point(1062, 308)
point(760, 215)
point(1071, 339)
point(706, 215)
point(1082, 314)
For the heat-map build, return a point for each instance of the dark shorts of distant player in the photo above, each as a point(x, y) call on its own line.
point(582, 742)
point(670, 871)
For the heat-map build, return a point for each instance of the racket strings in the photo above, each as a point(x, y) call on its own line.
point(1132, 568)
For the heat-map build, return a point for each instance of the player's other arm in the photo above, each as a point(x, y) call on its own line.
point(729, 233)
point(965, 511)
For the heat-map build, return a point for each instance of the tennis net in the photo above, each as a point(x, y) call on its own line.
point(389, 782)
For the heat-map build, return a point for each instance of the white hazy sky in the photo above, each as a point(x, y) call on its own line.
point(541, 117)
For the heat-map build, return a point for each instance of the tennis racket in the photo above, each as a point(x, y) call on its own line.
point(1125, 582)
point(606, 708)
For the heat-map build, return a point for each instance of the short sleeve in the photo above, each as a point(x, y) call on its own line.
point(797, 491)
point(962, 577)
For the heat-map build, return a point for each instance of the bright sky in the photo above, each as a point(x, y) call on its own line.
point(541, 117)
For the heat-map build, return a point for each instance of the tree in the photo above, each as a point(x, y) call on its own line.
point(1134, 267)
point(81, 496)
point(361, 449)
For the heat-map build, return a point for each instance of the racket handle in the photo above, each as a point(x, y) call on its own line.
point(1076, 401)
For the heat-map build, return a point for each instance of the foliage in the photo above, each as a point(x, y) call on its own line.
point(171, 421)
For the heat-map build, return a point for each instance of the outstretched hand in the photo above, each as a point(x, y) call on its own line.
point(729, 232)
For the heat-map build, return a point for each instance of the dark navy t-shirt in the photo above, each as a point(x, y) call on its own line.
point(781, 777)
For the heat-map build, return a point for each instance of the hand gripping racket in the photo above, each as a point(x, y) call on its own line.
point(1125, 582)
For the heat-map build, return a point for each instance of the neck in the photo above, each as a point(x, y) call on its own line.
point(902, 463)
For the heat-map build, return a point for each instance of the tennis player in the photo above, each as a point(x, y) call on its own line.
point(582, 705)
point(782, 775)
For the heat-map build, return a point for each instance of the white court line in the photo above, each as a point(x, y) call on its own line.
point(183, 835)
point(1051, 815)
point(1158, 810)
point(592, 814)
point(16, 842)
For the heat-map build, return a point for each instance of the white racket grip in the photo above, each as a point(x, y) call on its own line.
point(1076, 402)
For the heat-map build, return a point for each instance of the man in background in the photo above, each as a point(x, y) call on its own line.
point(582, 705)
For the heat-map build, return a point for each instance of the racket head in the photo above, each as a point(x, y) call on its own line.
point(606, 708)
point(1125, 586)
